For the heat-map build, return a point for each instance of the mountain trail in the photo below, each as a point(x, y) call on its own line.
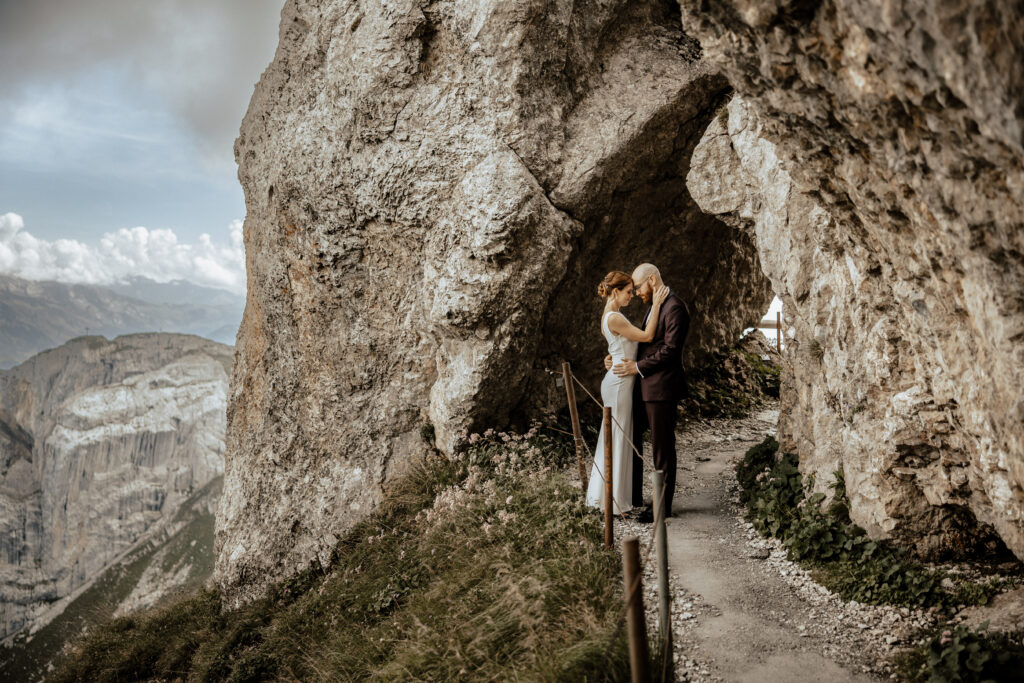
point(741, 611)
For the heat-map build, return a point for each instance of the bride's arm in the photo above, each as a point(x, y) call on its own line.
point(620, 325)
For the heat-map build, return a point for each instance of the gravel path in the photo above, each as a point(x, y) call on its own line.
point(741, 611)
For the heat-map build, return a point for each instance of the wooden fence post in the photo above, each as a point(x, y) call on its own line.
point(661, 554)
point(637, 628)
point(574, 414)
point(609, 536)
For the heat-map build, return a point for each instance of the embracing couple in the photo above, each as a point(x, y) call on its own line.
point(643, 384)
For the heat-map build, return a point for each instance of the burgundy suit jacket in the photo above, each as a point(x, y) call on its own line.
point(660, 360)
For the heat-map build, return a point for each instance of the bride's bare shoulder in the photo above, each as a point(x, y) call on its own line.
point(616, 320)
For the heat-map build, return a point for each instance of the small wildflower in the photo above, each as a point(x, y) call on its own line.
point(508, 501)
point(504, 516)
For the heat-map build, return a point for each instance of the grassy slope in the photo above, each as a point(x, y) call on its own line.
point(488, 568)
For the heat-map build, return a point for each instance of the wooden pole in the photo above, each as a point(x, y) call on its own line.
point(574, 414)
point(661, 553)
point(609, 536)
point(637, 628)
point(778, 331)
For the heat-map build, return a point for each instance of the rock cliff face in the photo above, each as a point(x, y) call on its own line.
point(100, 443)
point(433, 191)
point(875, 152)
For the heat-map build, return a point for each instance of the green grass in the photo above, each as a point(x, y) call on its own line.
point(487, 567)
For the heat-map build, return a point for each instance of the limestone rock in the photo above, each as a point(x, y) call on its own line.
point(100, 443)
point(433, 191)
point(1004, 614)
point(875, 152)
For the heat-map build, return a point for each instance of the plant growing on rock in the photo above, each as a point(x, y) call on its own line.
point(817, 532)
point(733, 382)
point(958, 654)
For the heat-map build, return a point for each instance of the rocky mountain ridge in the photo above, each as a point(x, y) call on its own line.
point(101, 442)
point(39, 315)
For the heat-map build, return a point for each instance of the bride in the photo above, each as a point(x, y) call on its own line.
point(617, 392)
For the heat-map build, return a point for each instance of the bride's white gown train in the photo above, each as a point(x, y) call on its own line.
point(616, 392)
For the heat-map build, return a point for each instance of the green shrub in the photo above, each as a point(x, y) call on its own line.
point(841, 556)
point(958, 654)
point(731, 383)
point(758, 459)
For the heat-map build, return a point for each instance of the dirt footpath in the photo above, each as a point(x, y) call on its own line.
point(741, 611)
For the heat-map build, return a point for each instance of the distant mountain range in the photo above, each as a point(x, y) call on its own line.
point(38, 315)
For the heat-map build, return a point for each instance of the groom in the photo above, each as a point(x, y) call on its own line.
point(660, 386)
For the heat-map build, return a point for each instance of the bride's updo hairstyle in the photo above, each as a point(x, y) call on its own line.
point(612, 281)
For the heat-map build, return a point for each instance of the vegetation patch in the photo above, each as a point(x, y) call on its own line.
point(958, 654)
point(817, 532)
point(485, 566)
point(734, 382)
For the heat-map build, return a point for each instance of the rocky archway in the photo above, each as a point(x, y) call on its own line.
point(433, 193)
point(433, 190)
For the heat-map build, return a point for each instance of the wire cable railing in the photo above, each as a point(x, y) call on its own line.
point(633, 595)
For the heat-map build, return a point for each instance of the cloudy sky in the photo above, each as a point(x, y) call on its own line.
point(117, 120)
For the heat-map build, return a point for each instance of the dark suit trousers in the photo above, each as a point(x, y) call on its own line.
point(660, 416)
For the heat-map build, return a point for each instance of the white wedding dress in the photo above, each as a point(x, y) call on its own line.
point(616, 392)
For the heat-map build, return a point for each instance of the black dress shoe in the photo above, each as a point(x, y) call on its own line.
point(646, 516)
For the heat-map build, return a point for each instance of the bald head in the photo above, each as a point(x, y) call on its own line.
point(646, 270)
point(646, 278)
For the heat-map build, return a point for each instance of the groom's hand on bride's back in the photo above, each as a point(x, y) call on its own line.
point(608, 362)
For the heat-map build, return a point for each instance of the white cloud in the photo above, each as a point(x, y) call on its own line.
point(155, 254)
